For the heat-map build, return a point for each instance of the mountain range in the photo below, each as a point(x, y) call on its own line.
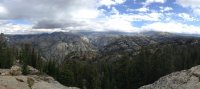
point(89, 45)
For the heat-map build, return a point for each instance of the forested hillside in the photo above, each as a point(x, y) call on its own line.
point(7, 54)
point(112, 68)
point(129, 72)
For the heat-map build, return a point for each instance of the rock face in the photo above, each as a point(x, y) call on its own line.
point(33, 71)
point(13, 79)
point(30, 82)
point(186, 79)
point(56, 45)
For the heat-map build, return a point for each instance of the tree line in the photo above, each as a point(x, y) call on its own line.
point(127, 72)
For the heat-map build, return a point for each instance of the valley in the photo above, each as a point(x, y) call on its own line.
point(106, 60)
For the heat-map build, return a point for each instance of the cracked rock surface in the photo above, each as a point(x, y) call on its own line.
point(186, 79)
point(13, 79)
point(22, 82)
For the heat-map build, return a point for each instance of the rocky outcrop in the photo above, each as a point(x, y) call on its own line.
point(186, 79)
point(33, 71)
point(4, 71)
point(56, 45)
point(30, 82)
point(15, 70)
point(13, 79)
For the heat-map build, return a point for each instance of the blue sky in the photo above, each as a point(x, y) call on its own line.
point(36, 16)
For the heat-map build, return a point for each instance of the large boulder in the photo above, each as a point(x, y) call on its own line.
point(186, 79)
point(33, 71)
point(15, 70)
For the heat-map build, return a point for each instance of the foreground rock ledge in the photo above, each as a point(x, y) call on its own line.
point(186, 79)
point(30, 82)
point(13, 79)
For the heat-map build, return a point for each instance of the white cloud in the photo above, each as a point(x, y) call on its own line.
point(114, 22)
point(2, 22)
point(143, 9)
point(140, 17)
point(52, 12)
point(130, 10)
point(166, 9)
point(108, 3)
point(9, 28)
point(3, 11)
point(193, 4)
point(189, 3)
point(186, 17)
point(196, 11)
point(114, 11)
point(153, 1)
point(64, 15)
point(119, 23)
point(173, 27)
point(85, 14)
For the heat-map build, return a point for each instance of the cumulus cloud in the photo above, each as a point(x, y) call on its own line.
point(189, 3)
point(65, 15)
point(119, 23)
point(10, 28)
point(143, 9)
point(193, 4)
point(173, 27)
point(166, 9)
point(6, 28)
point(56, 11)
point(48, 24)
point(108, 3)
point(148, 2)
point(154, 16)
point(3, 11)
point(114, 11)
point(186, 17)
point(196, 11)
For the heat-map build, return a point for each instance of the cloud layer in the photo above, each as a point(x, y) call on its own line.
point(100, 15)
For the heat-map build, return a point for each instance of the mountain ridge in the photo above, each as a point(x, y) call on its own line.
point(60, 44)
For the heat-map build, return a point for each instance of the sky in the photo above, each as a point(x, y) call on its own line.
point(39, 16)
